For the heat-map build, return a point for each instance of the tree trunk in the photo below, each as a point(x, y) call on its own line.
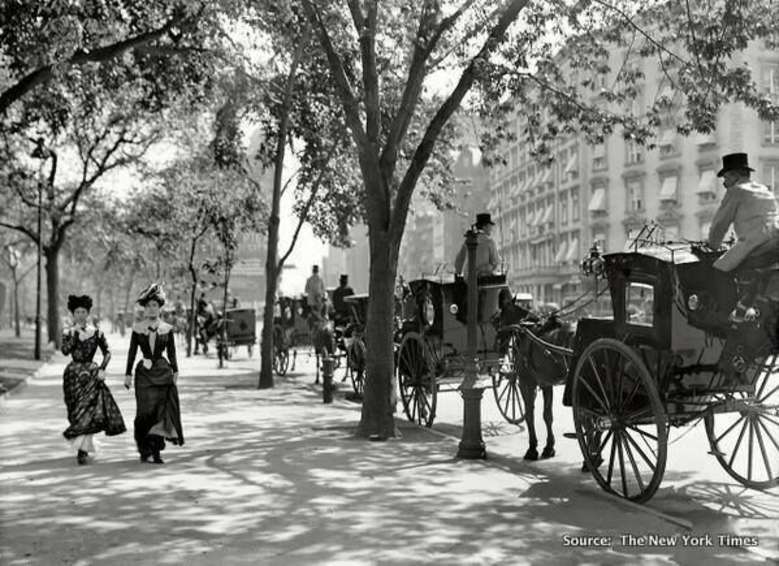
point(17, 323)
point(223, 331)
point(377, 411)
point(271, 282)
point(128, 318)
point(192, 323)
point(52, 295)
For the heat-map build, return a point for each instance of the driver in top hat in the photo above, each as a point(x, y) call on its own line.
point(751, 208)
point(487, 260)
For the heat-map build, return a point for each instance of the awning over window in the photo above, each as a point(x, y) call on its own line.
point(667, 137)
point(573, 165)
point(669, 189)
point(707, 182)
point(532, 218)
point(573, 250)
point(557, 287)
point(548, 215)
point(561, 252)
point(705, 139)
point(598, 201)
point(517, 188)
point(545, 176)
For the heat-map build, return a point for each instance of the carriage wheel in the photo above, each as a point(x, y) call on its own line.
point(746, 442)
point(355, 359)
point(281, 361)
point(417, 380)
point(620, 421)
point(505, 385)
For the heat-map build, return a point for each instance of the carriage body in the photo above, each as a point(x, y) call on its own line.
point(669, 356)
point(432, 342)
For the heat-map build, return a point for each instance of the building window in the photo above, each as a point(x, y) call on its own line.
point(599, 238)
point(574, 204)
point(770, 177)
point(703, 141)
point(572, 254)
point(564, 208)
point(597, 200)
point(771, 133)
point(669, 188)
point(599, 157)
point(562, 250)
point(571, 169)
point(770, 81)
point(667, 143)
point(635, 153)
point(635, 200)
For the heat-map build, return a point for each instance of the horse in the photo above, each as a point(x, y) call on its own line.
point(322, 334)
point(536, 366)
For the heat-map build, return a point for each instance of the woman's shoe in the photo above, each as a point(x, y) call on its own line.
point(156, 458)
point(81, 457)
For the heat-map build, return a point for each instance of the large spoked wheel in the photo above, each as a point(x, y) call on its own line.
point(416, 378)
point(620, 421)
point(505, 384)
point(281, 361)
point(355, 363)
point(745, 440)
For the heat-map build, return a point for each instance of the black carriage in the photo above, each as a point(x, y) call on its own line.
point(241, 330)
point(432, 347)
point(350, 341)
point(671, 355)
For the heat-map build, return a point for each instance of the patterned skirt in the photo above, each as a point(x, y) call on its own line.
point(91, 407)
point(158, 415)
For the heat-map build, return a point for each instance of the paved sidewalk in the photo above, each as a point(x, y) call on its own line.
point(276, 477)
point(16, 359)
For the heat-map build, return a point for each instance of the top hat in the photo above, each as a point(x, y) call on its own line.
point(343, 277)
point(734, 161)
point(484, 218)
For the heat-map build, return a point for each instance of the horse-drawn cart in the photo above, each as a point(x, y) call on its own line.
point(433, 344)
point(241, 330)
point(351, 341)
point(670, 355)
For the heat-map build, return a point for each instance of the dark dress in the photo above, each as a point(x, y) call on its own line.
point(158, 416)
point(91, 407)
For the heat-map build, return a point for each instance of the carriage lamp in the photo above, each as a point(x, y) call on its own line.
point(593, 263)
point(693, 302)
point(454, 309)
point(429, 312)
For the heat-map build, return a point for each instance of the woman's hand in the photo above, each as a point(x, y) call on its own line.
point(101, 374)
point(128, 381)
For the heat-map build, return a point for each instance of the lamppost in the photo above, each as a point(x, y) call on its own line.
point(39, 153)
point(471, 444)
point(13, 263)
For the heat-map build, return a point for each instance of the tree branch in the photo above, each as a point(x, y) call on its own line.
point(19, 228)
point(304, 213)
point(97, 55)
point(350, 103)
point(425, 147)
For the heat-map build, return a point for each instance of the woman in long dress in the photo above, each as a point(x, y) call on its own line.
point(158, 416)
point(91, 407)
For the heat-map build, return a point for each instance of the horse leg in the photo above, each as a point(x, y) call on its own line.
point(548, 393)
point(317, 369)
point(529, 398)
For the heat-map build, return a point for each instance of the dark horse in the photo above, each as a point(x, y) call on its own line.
point(322, 335)
point(538, 366)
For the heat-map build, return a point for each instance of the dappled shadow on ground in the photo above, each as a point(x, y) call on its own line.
point(275, 476)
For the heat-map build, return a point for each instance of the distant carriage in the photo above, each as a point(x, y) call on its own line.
point(241, 330)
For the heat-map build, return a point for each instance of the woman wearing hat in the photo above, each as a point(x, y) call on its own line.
point(91, 407)
point(750, 207)
point(158, 416)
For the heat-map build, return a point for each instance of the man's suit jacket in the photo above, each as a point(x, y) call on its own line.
point(754, 213)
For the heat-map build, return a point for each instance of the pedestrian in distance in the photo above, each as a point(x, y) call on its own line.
point(158, 414)
point(315, 288)
point(91, 407)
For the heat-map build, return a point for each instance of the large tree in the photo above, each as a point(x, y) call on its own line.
point(506, 49)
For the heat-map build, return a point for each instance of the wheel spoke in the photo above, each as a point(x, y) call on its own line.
point(731, 427)
point(763, 451)
point(600, 383)
point(583, 381)
point(770, 436)
point(767, 395)
point(641, 432)
point(626, 401)
point(633, 465)
point(611, 458)
point(738, 443)
point(622, 465)
point(649, 462)
point(606, 437)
